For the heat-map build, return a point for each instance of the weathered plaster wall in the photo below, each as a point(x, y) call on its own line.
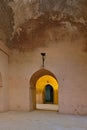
point(21, 69)
point(6, 21)
point(58, 28)
point(63, 38)
point(66, 60)
point(25, 10)
point(15, 13)
point(3, 78)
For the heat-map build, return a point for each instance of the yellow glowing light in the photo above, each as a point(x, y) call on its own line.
point(41, 84)
point(44, 80)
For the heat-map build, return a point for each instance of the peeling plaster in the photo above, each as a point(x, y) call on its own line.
point(18, 13)
point(45, 29)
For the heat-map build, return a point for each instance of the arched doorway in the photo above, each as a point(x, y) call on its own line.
point(41, 83)
point(48, 94)
point(32, 90)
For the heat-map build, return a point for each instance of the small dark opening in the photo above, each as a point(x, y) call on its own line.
point(48, 94)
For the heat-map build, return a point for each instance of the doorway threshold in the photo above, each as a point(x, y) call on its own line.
point(53, 107)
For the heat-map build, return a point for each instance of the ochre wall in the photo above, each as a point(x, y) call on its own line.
point(3, 77)
point(67, 61)
point(40, 88)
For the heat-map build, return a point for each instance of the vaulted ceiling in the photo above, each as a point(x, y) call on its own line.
point(35, 22)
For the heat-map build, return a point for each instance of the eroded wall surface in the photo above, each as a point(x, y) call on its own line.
point(4, 103)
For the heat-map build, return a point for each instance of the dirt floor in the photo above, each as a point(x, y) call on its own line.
point(41, 120)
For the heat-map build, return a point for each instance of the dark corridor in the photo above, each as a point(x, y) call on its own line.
point(48, 94)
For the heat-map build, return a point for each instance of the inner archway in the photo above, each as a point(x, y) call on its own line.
point(46, 82)
point(38, 83)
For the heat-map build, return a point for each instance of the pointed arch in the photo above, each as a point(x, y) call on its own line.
point(32, 89)
point(39, 74)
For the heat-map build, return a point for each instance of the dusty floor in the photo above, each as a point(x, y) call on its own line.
point(41, 120)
